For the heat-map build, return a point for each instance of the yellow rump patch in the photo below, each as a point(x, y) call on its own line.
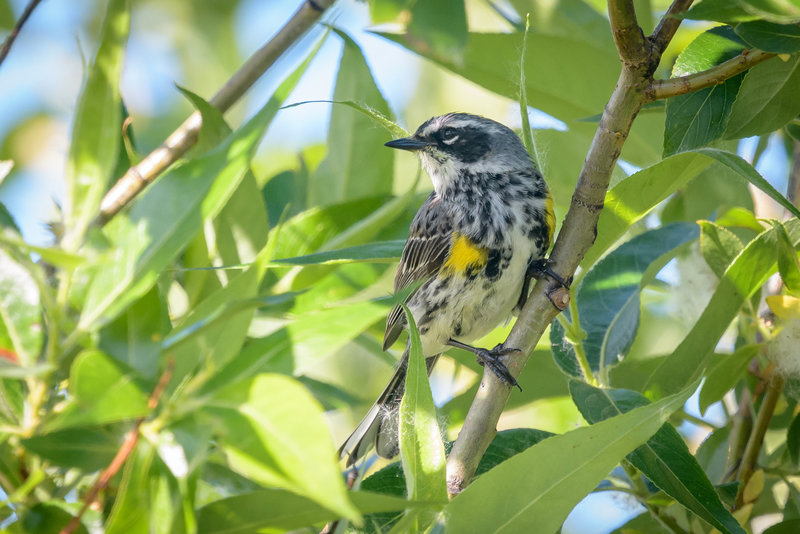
point(549, 218)
point(465, 255)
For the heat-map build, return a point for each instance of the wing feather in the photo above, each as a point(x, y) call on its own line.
point(425, 252)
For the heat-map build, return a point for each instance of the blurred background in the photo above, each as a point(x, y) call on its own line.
point(199, 44)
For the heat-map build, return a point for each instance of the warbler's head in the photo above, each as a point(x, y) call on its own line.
point(458, 142)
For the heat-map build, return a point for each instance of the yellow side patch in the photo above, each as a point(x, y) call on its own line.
point(549, 218)
point(465, 255)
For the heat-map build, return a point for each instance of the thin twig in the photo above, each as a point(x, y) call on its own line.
point(124, 452)
point(713, 76)
point(751, 452)
point(628, 36)
point(668, 25)
point(6, 48)
point(793, 191)
point(185, 137)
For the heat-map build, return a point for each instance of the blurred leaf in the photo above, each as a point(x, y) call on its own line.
point(56, 257)
point(738, 217)
point(713, 454)
point(706, 196)
point(793, 440)
point(421, 448)
point(270, 510)
point(148, 498)
point(134, 338)
point(748, 272)
point(608, 296)
point(767, 99)
point(376, 116)
point(508, 443)
point(784, 527)
point(718, 245)
point(645, 523)
point(378, 252)
point(275, 434)
point(696, 119)
point(770, 37)
point(664, 459)
point(441, 26)
point(20, 314)
point(563, 350)
point(48, 518)
point(96, 129)
point(170, 212)
point(214, 129)
point(12, 403)
point(6, 219)
point(101, 390)
point(788, 266)
point(356, 166)
point(549, 478)
point(86, 448)
point(633, 198)
point(719, 10)
point(557, 67)
point(781, 11)
point(723, 372)
point(7, 19)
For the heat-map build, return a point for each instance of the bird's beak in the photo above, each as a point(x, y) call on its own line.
point(407, 143)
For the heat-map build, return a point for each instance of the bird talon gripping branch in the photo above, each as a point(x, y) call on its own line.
point(473, 244)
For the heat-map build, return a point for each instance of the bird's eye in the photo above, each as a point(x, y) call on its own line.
point(449, 136)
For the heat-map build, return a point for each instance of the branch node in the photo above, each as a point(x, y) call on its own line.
point(559, 298)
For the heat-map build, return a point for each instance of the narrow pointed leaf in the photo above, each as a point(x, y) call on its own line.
point(20, 313)
point(536, 489)
point(664, 459)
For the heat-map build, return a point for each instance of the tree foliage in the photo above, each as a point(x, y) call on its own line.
point(179, 366)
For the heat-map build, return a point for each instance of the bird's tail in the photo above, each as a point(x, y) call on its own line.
point(380, 426)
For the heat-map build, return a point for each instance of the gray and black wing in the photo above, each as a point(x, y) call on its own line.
point(426, 250)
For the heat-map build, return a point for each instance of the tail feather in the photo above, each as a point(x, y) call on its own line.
point(380, 426)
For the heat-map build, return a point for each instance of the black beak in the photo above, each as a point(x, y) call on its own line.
point(407, 143)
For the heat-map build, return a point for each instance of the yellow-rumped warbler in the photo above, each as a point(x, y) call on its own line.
point(476, 240)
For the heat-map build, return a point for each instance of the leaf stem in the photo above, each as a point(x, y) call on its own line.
point(715, 75)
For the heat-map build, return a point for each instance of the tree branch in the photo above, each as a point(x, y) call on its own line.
point(185, 137)
point(574, 239)
point(128, 446)
point(628, 36)
point(668, 25)
point(715, 75)
point(6, 48)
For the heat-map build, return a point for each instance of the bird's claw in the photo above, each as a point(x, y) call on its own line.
point(491, 358)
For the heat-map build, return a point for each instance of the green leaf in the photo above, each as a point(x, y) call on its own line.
point(551, 477)
point(169, 214)
point(148, 498)
point(214, 129)
point(608, 297)
point(664, 459)
point(770, 37)
point(527, 138)
point(696, 119)
point(101, 390)
point(767, 99)
point(723, 372)
point(784, 527)
point(263, 440)
point(48, 518)
point(356, 166)
point(20, 314)
point(378, 252)
point(96, 129)
point(748, 272)
point(421, 447)
point(86, 448)
point(632, 199)
point(793, 440)
point(781, 11)
point(718, 245)
point(441, 25)
point(788, 265)
point(281, 510)
point(718, 10)
point(377, 117)
point(134, 338)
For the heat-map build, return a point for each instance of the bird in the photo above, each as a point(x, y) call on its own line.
point(473, 247)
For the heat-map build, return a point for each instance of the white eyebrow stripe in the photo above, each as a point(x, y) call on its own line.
point(451, 140)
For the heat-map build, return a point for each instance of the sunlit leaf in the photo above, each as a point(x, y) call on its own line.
point(20, 315)
point(549, 478)
point(718, 245)
point(724, 371)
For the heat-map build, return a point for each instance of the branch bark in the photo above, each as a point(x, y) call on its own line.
point(713, 76)
point(185, 137)
point(668, 25)
point(628, 36)
point(6, 48)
